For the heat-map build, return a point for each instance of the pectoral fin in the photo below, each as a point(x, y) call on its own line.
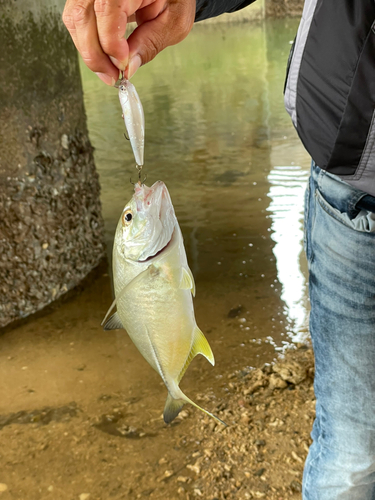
point(114, 323)
point(108, 313)
point(187, 280)
point(150, 270)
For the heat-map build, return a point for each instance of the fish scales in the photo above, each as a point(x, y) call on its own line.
point(145, 305)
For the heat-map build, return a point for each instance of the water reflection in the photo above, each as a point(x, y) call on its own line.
point(287, 193)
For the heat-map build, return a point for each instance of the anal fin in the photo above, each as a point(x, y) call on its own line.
point(201, 346)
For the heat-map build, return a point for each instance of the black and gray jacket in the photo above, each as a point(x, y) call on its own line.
point(330, 85)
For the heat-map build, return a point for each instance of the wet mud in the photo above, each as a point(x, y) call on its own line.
point(42, 416)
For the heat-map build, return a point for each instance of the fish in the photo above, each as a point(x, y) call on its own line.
point(154, 287)
point(134, 118)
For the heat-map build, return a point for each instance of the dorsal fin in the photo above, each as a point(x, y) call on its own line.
point(200, 346)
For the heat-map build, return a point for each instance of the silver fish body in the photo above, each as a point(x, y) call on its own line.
point(134, 119)
point(153, 289)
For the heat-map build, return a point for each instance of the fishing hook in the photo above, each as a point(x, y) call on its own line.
point(126, 137)
point(139, 168)
point(120, 78)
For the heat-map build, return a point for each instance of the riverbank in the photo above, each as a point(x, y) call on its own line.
point(116, 448)
point(261, 453)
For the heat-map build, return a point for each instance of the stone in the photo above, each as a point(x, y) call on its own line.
point(296, 486)
point(275, 382)
point(65, 141)
point(260, 442)
point(195, 468)
point(290, 372)
point(245, 419)
point(258, 380)
point(259, 472)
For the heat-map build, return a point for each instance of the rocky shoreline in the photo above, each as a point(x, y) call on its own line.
point(260, 454)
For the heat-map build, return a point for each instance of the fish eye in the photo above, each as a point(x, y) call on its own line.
point(127, 217)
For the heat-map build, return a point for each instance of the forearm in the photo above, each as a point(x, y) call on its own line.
point(212, 8)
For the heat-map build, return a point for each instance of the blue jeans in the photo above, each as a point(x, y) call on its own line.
point(340, 248)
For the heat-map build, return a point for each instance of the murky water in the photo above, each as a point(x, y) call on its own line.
point(218, 136)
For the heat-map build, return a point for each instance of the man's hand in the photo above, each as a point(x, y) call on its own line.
point(98, 28)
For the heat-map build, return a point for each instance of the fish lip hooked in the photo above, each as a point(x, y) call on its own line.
point(159, 252)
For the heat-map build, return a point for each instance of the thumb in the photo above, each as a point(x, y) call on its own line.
point(171, 26)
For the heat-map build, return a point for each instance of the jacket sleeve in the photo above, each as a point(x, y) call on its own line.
point(212, 8)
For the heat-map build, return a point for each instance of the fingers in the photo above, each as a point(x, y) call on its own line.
point(80, 18)
point(98, 27)
point(171, 25)
point(151, 11)
point(111, 20)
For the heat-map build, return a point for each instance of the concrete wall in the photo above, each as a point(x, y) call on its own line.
point(50, 215)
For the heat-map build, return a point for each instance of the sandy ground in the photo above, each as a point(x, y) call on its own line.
point(113, 448)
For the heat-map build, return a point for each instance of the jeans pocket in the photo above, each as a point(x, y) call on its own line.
point(364, 221)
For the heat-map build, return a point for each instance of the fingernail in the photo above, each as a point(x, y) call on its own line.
point(134, 64)
point(120, 65)
point(109, 80)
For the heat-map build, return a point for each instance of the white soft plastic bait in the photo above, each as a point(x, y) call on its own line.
point(134, 119)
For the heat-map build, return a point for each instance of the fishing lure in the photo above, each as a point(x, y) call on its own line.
point(132, 112)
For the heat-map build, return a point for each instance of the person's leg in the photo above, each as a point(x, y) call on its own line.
point(340, 247)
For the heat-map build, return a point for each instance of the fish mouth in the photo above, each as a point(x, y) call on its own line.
point(159, 251)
